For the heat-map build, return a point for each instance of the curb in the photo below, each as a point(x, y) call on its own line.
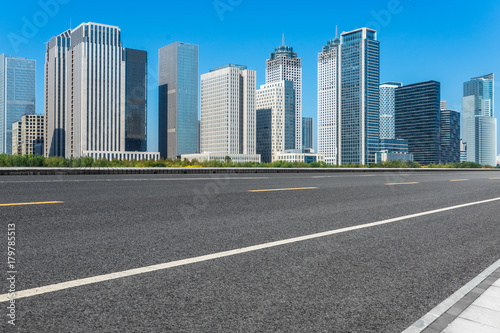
point(36, 171)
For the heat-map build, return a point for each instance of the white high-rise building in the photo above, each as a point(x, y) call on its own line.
point(284, 64)
point(387, 109)
point(228, 111)
point(85, 91)
point(275, 103)
point(328, 100)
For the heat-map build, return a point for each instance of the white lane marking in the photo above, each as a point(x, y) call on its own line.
point(444, 306)
point(125, 179)
point(153, 268)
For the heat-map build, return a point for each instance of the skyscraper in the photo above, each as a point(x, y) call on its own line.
point(359, 97)
point(178, 104)
point(136, 83)
point(479, 124)
point(17, 95)
point(418, 120)
point(87, 88)
point(275, 104)
point(450, 136)
point(307, 133)
point(387, 107)
point(283, 64)
point(328, 100)
point(228, 110)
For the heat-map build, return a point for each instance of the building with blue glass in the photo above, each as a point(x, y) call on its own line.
point(359, 97)
point(136, 83)
point(450, 136)
point(418, 120)
point(479, 124)
point(17, 95)
point(387, 107)
point(178, 100)
point(307, 133)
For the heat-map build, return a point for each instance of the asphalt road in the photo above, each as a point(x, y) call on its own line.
point(375, 279)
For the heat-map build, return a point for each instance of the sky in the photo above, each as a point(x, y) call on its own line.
point(420, 40)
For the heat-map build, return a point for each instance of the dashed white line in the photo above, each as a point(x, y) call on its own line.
point(153, 268)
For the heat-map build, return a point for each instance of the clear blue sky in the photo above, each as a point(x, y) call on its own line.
point(447, 41)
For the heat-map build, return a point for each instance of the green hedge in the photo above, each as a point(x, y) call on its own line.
point(40, 161)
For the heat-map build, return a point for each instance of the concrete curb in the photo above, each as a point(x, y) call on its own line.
point(35, 171)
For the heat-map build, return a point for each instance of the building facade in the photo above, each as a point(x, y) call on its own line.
point(478, 120)
point(359, 97)
point(328, 100)
point(136, 83)
point(387, 109)
point(307, 133)
point(228, 122)
point(17, 95)
point(27, 134)
point(85, 91)
point(450, 136)
point(283, 64)
point(275, 119)
point(418, 120)
point(178, 99)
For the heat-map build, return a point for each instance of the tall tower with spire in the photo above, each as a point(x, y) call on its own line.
point(328, 99)
point(283, 64)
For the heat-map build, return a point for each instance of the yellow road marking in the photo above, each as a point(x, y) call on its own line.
point(31, 203)
point(410, 183)
point(459, 180)
point(284, 189)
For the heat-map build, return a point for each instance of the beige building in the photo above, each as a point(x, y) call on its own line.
point(27, 134)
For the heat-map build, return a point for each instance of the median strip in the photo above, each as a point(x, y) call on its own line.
point(31, 203)
point(284, 189)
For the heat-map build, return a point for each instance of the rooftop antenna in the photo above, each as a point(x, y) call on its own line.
point(283, 41)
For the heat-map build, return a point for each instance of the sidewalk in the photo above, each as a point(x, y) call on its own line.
point(475, 308)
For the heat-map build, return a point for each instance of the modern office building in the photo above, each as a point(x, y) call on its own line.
point(178, 99)
point(228, 121)
point(17, 95)
point(394, 145)
point(463, 151)
point(27, 134)
point(479, 124)
point(418, 120)
point(387, 109)
point(86, 92)
point(359, 97)
point(275, 119)
point(450, 136)
point(307, 133)
point(443, 105)
point(328, 100)
point(283, 64)
point(136, 83)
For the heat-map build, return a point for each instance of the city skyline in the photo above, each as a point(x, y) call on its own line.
point(400, 26)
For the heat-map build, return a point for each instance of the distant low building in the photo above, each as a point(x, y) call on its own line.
point(386, 155)
point(235, 158)
point(296, 155)
point(121, 155)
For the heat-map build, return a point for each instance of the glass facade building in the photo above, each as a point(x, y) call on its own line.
point(479, 124)
point(387, 107)
point(450, 136)
point(136, 73)
point(17, 95)
point(178, 100)
point(307, 133)
point(418, 120)
point(359, 97)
